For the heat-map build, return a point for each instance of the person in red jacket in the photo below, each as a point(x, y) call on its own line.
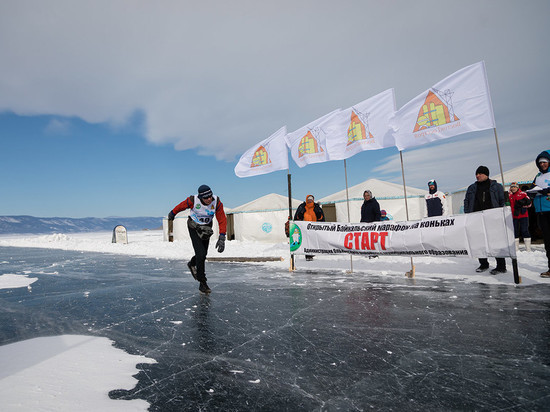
point(203, 207)
point(519, 202)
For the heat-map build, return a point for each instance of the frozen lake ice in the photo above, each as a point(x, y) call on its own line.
point(268, 339)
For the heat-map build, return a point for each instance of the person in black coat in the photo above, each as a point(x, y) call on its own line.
point(370, 210)
point(482, 195)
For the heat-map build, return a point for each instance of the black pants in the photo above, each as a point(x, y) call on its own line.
point(544, 224)
point(501, 263)
point(200, 246)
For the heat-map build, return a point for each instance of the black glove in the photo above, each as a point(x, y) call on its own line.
point(220, 244)
point(171, 215)
point(545, 191)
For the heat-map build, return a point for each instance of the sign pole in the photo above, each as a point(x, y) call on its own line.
point(409, 274)
point(292, 266)
point(349, 218)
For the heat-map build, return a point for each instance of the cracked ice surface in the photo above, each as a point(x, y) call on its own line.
point(266, 339)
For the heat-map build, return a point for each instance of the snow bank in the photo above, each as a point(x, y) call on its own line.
point(151, 244)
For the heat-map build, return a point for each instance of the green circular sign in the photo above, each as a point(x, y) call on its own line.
point(295, 237)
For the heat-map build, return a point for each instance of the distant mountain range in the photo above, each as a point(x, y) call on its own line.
point(31, 224)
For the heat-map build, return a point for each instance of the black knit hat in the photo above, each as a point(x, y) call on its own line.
point(204, 191)
point(483, 170)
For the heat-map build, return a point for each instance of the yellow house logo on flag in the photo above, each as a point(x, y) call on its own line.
point(308, 145)
point(435, 112)
point(260, 157)
point(357, 130)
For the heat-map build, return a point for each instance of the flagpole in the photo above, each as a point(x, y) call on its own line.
point(517, 278)
point(499, 161)
point(409, 274)
point(292, 266)
point(349, 218)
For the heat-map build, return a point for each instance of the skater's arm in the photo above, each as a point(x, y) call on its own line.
point(222, 219)
point(186, 204)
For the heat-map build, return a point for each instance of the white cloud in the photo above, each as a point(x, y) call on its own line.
point(58, 127)
point(221, 76)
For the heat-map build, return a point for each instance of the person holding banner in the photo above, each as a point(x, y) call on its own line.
point(203, 208)
point(482, 195)
point(541, 201)
point(310, 212)
point(436, 203)
point(519, 202)
point(370, 209)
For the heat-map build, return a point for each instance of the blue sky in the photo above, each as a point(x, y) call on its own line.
point(123, 108)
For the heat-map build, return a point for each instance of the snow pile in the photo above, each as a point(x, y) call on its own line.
point(62, 373)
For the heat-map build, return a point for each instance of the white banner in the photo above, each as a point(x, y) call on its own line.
point(308, 144)
point(364, 126)
point(458, 104)
point(489, 233)
point(267, 156)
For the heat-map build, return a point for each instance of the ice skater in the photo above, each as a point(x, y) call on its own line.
point(203, 207)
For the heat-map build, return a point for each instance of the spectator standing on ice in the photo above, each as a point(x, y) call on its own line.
point(482, 195)
point(203, 207)
point(436, 202)
point(384, 215)
point(310, 212)
point(519, 202)
point(542, 202)
point(370, 210)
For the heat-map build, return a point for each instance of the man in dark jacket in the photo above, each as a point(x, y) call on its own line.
point(482, 195)
point(541, 201)
point(370, 210)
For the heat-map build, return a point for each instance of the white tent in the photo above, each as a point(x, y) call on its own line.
point(523, 175)
point(389, 195)
point(262, 219)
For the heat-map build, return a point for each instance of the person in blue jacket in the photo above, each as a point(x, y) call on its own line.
point(541, 202)
point(482, 195)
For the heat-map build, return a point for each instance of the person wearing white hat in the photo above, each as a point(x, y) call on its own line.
point(541, 202)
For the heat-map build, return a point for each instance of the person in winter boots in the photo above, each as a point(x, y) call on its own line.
point(541, 202)
point(310, 212)
point(436, 202)
point(519, 202)
point(370, 210)
point(204, 206)
point(482, 195)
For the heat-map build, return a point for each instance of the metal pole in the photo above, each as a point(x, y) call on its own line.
point(349, 218)
point(409, 274)
point(499, 161)
point(292, 266)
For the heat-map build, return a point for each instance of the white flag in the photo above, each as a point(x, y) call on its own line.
point(364, 126)
point(458, 104)
point(267, 156)
point(308, 143)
